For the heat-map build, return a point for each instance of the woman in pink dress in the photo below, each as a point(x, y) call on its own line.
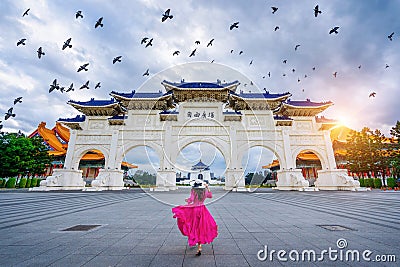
point(194, 220)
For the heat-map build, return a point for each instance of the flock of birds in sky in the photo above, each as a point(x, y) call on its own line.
point(148, 42)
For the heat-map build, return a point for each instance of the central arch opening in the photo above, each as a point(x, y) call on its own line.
point(253, 164)
point(200, 160)
point(146, 164)
point(310, 164)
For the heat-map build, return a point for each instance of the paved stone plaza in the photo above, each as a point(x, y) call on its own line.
point(137, 229)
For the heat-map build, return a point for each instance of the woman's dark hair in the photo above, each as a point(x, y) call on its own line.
point(200, 193)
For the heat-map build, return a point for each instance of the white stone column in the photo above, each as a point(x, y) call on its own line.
point(234, 174)
point(289, 178)
point(288, 164)
point(111, 161)
point(70, 150)
point(166, 176)
point(331, 162)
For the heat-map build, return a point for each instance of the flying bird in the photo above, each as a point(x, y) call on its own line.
point(313, 68)
point(144, 40)
point(391, 36)
point(231, 51)
point(18, 100)
point(387, 66)
point(54, 86)
point(334, 30)
point(146, 73)
point(234, 25)
point(269, 74)
point(21, 42)
point(298, 80)
point(166, 15)
point(86, 85)
point(293, 70)
point(9, 114)
point(212, 61)
point(26, 12)
point(359, 67)
point(276, 28)
point(284, 61)
point(117, 59)
point(317, 11)
point(210, 42)
point(83, 67)
point(241, 52)
point(99, 22)
point(78, 14)
point(176, 53)
point(274, 9)
point(251, 62)
point(296, 47)
point(197, 42)
point(193, 53)
point(372, 94)
point(97, 85)
point(40, 52)
point(335, 74)
point(150, 43)
point(67, 44)
point(70, 88)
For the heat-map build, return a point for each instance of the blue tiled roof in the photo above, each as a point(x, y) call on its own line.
point(276, 117)
point(184, 84)
point(118, 117)
point(135, 94)
point(266, 95)
point(92, 102)
point(232, 113)
point(169, 112)
point(78, 118)
point(306, 103)
point(200, 165)
point(127, 95)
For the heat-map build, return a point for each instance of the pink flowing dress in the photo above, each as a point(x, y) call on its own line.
point(195, 221)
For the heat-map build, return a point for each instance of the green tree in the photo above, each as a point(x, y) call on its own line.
point(22, 156)
point(394, 161)
point(395, 131)
point(143, 177)
point(359, 151)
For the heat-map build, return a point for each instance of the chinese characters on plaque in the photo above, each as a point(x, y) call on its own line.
point(202, 115)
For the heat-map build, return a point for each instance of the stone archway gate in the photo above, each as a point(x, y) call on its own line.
point(199, 111)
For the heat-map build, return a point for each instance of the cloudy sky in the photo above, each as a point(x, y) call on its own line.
point(362, 40)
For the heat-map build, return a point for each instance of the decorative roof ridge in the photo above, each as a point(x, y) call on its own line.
point(77, 118)
point(307, 103)
point(200, 84)
point(322, 119)
point(127, 95)
point(139, 95)
point(260, 95)
point(232, 112)
point(118, 117)
point(94, 102)
point(282, 117)
point(169, 112)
